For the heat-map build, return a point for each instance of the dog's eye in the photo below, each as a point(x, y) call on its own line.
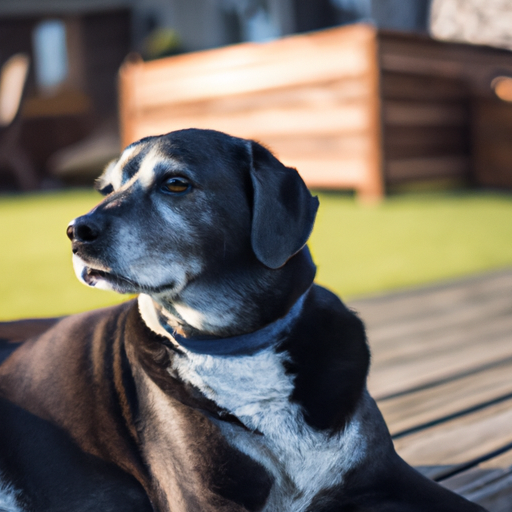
point(176, 186)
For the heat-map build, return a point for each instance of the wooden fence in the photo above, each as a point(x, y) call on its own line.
point(349, 107)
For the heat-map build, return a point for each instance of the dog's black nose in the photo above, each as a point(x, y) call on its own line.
point(82, 231)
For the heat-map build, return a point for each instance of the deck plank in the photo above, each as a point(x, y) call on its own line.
point(446, 357)
point(459, 440)
point(393, 337)
point(489, 483)
point(428, 405)
point(393, 308)
point(442, 376)
point(420, 336)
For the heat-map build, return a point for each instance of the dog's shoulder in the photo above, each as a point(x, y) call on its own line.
point(14, 333)
point(31, 342)
point(19, 330)
point(55, 370)
point(330, 358)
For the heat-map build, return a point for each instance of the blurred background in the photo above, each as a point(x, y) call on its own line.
point(397, 113)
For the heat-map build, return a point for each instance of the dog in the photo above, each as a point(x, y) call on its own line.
point(232, 383)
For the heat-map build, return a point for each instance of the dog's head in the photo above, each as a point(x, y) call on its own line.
point(189, 207)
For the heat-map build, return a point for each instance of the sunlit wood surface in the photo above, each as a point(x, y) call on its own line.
point(442, 376)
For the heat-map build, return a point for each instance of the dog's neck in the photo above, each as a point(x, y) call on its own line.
point(245, 344)
point(224, 319)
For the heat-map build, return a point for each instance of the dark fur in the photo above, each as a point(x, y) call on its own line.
point(70, 389)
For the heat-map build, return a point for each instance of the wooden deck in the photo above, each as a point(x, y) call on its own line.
point(442, 376)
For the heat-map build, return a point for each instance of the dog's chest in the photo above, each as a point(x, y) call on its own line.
point(257, 390)
point(8, 498)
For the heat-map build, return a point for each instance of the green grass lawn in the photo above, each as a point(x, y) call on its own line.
point(407, 240)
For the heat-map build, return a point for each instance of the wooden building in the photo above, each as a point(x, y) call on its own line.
point(95, 40)
point(350, 107)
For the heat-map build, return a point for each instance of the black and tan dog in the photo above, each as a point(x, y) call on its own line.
point(233, 383)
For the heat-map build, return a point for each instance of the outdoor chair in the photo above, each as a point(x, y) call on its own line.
point(13, 78)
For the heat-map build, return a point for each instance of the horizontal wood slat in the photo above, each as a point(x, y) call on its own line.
point(422, 168)
point(469, 478)
point(431, 404)
point(404, 86)
point(330, 119)
point(460, 440)
point(311, 145)
point(423, 142)
point(419, 113)
point(331, 173)
point(427, 66)
point(251, 67)
point(488, 484)
point(426, 47)
point(335, 92)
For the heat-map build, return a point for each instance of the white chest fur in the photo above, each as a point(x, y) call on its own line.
point(256, 389)
point(8, 499)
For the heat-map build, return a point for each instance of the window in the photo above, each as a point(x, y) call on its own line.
point(50, 54)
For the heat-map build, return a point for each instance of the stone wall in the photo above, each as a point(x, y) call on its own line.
point(487, 22)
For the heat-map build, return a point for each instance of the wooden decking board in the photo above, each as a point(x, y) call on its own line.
point(447, 313)
point(455, 442)
point(452, 416)
point(495, 496)
point(389, 309)
point(404, 373)
point(440, 402)
point(434, 336)
point(489, 483)
point(442, 375)
point(437, 342)
point(446, 380)
point(480, 309)
point(476, 477)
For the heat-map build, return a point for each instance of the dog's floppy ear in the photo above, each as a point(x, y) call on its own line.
point(283, 209)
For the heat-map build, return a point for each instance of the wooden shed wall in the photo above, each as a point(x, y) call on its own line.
point(313, 99)
point(104, 44)
point(348, 107)
point(425, 128)
point(437, 107)
point(492, 143)
point(97, 43)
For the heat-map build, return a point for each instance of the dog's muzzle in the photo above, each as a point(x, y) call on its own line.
point(83, 232)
